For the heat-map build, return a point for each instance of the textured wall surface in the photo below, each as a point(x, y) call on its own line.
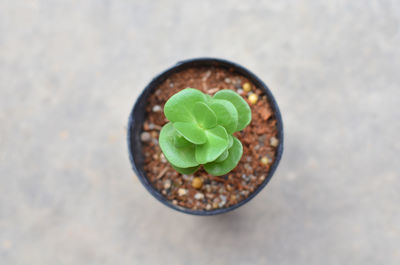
point(70, 72)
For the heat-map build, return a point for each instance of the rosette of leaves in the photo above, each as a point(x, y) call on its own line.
point(200, 131)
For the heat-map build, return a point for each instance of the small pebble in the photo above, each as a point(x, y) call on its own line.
point(246, 178)
point(167, 184)
point(273, 141)
point(240, 91)
point(262, 178)
point(238, 83)
point(246, 87)
point(182, 192)
point(145, 137)
point(208, 207)
point(151, 126)
point(248, 167)
point(223, 201)
point(261, 139)
point(175, 202)
point(215, 205)
point(210, 195)
point(249, 158)
point(171, 84)
point(162, 158)
point(264, 160)
point(253, 98)
point(197, 183)
point(154, 134)
point(157, 108)
point(199, 196)
point(244, 192)
point(227, 80)
point(187, 177)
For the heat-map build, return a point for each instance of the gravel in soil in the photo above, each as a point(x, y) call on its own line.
point(202, 191)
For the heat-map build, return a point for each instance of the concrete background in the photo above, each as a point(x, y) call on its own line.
point(70, 72)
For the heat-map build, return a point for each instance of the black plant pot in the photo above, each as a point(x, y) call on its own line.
point(138, 115)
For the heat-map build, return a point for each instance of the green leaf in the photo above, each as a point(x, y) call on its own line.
point(224, 167)
point(186, 171)
point(240, 104)
point(223, 156)
point(217, 142)
point(179, 107)
point(191, 131)
point(204, 115)
point(226, 113)
point(180, 157)
point(180, 141)
point(230, 138)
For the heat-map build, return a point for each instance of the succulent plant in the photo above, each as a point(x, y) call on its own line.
point(200, 131)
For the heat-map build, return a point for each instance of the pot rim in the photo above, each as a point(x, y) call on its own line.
point(134, 126)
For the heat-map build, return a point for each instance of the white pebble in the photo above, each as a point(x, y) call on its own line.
point(273, 142)
point(157, 108)
point(199, 196)
point(182, 192)
point(167, 184)
point(223, 201)
point(162, 158)
point(145, 137)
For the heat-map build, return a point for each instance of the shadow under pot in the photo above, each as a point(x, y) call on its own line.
point(201, 193)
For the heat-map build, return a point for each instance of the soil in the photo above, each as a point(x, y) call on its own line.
point(259, 140)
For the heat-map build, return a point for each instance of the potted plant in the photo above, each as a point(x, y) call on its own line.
point(205, 136)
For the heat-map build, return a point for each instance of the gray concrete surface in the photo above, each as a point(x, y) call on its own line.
point(71, 70)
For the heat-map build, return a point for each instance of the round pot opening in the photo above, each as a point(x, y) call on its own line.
point(137, 119)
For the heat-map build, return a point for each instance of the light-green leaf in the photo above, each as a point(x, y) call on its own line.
point(180, 157)
point(217, 142)
point(230, 138)
point(226, 113)
point(224, 167)
point(180, 141)
point(191, 131)
point(179, 107)
point(240, 104)
point(223, 156)
point(204, 115)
